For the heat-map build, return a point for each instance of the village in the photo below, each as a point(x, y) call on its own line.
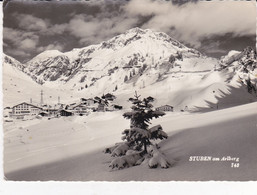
point(84, 106)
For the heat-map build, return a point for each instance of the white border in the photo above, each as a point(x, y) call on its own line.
point(106, 188)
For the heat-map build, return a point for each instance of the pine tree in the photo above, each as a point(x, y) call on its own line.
point(137, 145)
point(159, 77)
point(142, 69)
point(126, 78)
point(133, 72)
point(172, 59)
point(250, 86)
point(179, 56)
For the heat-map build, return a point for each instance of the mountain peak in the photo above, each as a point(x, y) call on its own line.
point(137, 35)
point(141, 31)
point(137, 30)
point(46, 54)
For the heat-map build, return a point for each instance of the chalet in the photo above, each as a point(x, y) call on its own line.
point(101, 107)
point(109, 97)
point(165, 108)
point(88, 102)
point(65, 113)
point(79, 109)
point(25, 109)
point(51, 111)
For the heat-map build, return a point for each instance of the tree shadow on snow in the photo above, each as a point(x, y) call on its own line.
point(234, 97)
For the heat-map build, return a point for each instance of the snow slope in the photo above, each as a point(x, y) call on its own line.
point(74, 150)
point(19, 87)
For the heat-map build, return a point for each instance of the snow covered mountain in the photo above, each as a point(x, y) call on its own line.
point(132, 50)
point(150, 62)
point(243, 64)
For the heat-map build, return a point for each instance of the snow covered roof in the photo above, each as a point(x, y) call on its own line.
point(27, 104)
point(89, 99)
point(77, 105)
point(63, 110)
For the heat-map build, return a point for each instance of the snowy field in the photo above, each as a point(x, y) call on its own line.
point(71, 148)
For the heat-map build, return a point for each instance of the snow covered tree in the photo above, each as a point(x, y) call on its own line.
point(137, 146)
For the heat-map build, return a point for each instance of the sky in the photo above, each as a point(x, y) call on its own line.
point(212, 27)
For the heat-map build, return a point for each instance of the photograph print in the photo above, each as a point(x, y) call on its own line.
point(129, 90)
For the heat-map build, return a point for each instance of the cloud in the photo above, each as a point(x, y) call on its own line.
point(18, 42)
point(30, 22)
point(190, 22)
point(54, 46)
point(193, 21)
point(57, 29)
point(213, 48)
point(95, 29)
point(83, 26)
point(20, 39)
point(18, 53)
point(24, 40)
point(28, 44)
